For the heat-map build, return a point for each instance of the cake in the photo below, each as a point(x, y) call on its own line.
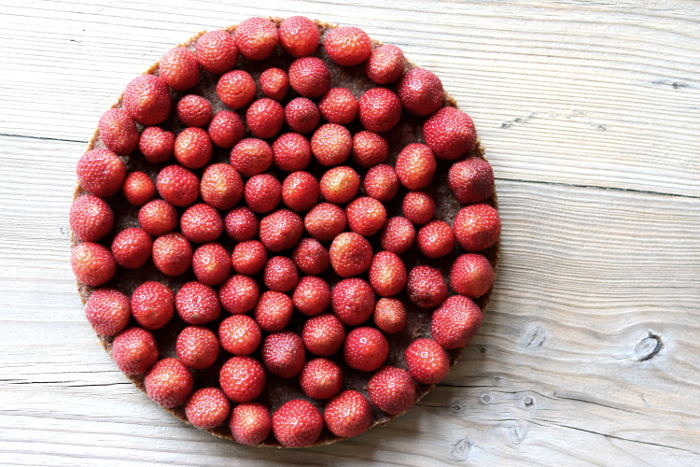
point(285, 232)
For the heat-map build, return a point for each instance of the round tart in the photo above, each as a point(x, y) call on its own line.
point(285, 232)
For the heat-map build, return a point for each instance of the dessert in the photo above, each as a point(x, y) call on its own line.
point(285, 233)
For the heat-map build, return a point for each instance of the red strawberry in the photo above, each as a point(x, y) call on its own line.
point(197, 303)
point(108, 311)
point(101, 172)
point(240, 335)
point(236, 89)
point(450, 133)
point(477, 227)
point(421, 92)
point(193, 148)
point(147, 99)
point(365, 349)
point(311, 257)
point(90, 218)
point(427, 362)
point(331, 144)
point(177, 185)
point(416, 166)
point(366, 216)
point(348, 414)
point(390, 315)
point(380, 110)
point(471, 180)
point(216, 51)
point(157, 217)
point(256, 38)
point(312, 296)
point(251, 156)
point(249, 257)
point(265, 118)
point(131, 248)
point(456, 322)
point(138, 188)
point(118, 131)
point(392, 390)
point(299, 36)
point(291, 152)
point(262, 193)
point(436, 239)
point(297, 423)
point(300, 191)
point(398, 235)
point(418, 207)
point(250, 423)
point(169, 383)
point(386, 64)
point(381, 182)
point(152, 305)
point(179, 68)
point(92, 263)
point(201, 223)
point(241, 224)
point(323, 335)
point(239, 294)
point(226, 129)
point(387, 274)
point(283, 354)
point(134, 351)
point(347, 46)
point(242, 379)
point(353, 301)
point(207, 408)
point(426, 287)
point(309, 77)
point(197, 347)
point(156, 144)
point(211, 264)
point(281, 230)
point(325, 221)
point(369, 149)
point(340, 184)
point(221, 186)
point(274, 311)
point(194, 110)
point(280, 274)
point(302, 115)
point(274, 83)
point(339, 106)
point(351, 254)
point(321, 379)
point(471, 275)
point(172, 254)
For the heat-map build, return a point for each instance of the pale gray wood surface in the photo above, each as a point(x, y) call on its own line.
point(590, 350)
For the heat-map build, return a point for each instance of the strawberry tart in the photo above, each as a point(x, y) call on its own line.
point(284, 232)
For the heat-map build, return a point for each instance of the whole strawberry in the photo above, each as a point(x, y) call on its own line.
point(436, 239)
point(300, 191)
point(353, 301)
point(194, 111)
point(471, 275)
point(241, 224)
point(193, 148)
point(418, 207)
point(108, 311)
point(366, 216)
point(347, 46)
point(201, 223)
point(291, 152)
point(197, 303)
point(281, 230)
point(236, 89)
point(339, 106)
point(351, 254)
point(299, 36)
point(415, 166)
point(427, 362)
point(302, 115)
point(207, 408)
point(390, 315)
point(157, 217)
point(197, 347)
point(147, 99)
point(471, 180)
point(265, 118)
point(365, 349)
point(226, 129)
point(221, 186)
point(134, 351)
point(240, 335)
point(179, 68)
point(450, 133)
point(131, 248)
point(311, 257)
point(156, 144)
point(380, 110)
point(262, 193)
point(323, 335)
point(249, 257)
point(90, 218)
point(153, 305)
point(397, 235)
point(274, 83)
point(321, 379)
point(138, 188)
point(177, 185)
point(456, 322)
point(251, 156)
point(100, 172)
point(369, 149)
point(477, 227)
point(348, 414)
point(216, 51)
point(92, 263)
point(297, 423)
point(239, 294)
point(312, 296)
point(392, 390)
point(256, 38)
point(283, 354)
point(325, 221)
point(211, 264)
point(309, 76)
point(386, 64)
point(118, 131)
point(387, 274)
point(331, 144)
point(340, 184)
point(250, 423)
point(169, 383)
point(242, 379)
point(381, 183)
point(172, 254)
point(426, 287)
point(421, 92)
point(274, 310)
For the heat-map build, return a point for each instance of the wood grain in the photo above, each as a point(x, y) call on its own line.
point(588, 355)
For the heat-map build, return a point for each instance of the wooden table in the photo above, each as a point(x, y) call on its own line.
point(590, 351)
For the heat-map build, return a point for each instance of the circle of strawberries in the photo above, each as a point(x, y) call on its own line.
point(290, 247)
